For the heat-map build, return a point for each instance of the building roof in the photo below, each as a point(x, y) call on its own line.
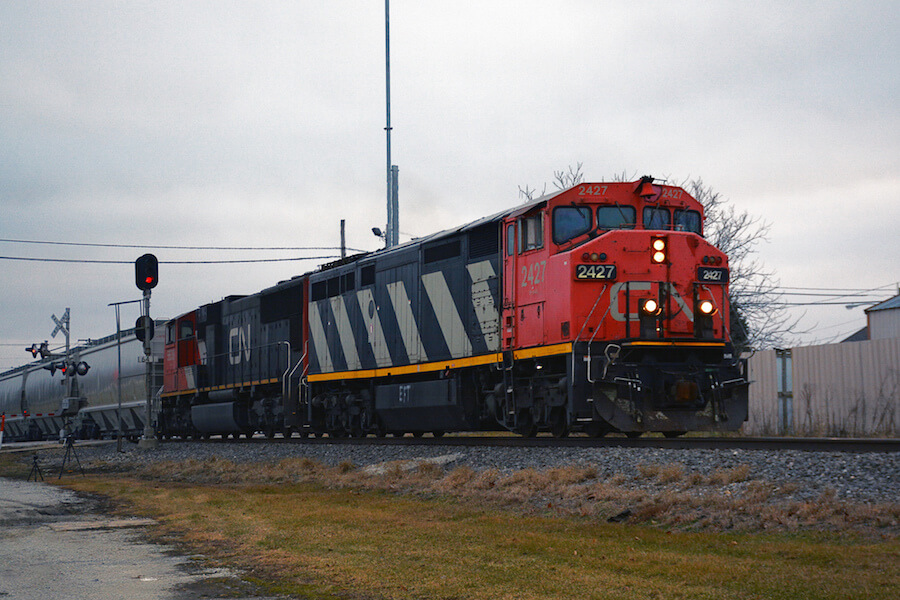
point(889, 304)
point(860, 336)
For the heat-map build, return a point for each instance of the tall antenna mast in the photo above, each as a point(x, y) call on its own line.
point(392, 235)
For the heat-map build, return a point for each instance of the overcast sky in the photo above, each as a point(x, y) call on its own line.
point(261, 124)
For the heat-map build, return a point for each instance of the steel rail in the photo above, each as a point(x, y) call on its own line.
point(818, 444)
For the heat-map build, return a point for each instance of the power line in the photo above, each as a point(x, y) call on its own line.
point(167, 262)
point(164, 247)
point(838, 303)
point(854, 295)
point(820, 289)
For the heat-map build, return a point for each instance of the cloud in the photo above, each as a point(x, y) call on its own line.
point(233, 123)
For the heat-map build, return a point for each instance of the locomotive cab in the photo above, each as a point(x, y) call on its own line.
point(182, 355)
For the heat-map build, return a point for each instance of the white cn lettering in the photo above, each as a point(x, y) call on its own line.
point(239, 344)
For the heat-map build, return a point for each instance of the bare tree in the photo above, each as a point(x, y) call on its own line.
point(759, 317)
point(562, 180)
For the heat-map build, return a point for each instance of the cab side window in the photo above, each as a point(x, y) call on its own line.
point(185, 330)
point(531, 233)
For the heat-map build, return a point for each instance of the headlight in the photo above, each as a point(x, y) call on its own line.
point(659, 250)
point(707, 307)
point(651, 307)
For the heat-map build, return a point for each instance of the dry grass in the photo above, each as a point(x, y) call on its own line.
point(422, 531)
point(665, 495)
point(341, 541)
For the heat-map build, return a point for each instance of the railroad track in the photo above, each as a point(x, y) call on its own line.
point(821, 444)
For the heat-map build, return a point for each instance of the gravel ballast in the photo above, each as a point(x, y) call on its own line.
point(862, 478)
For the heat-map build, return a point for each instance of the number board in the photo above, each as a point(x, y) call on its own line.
point(712, 275)
point(595, 271)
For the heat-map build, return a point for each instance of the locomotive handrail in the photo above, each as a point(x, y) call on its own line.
point(725, 332)
point(590, 341)
point(588, 318)
point(288, 370)
point(289, 374)
point(227, 354)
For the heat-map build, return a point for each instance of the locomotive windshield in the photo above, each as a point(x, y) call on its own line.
point(656, 218)
point(687, 220)
point(571, 221)
point(616, 217)
point(660, 218)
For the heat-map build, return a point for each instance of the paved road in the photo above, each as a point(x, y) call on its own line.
point(53, 546)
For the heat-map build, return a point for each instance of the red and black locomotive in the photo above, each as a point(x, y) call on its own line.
point(599, 308)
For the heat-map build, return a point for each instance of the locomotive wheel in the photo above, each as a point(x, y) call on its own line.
point(438, 434)
point(558, 426)
point(525, 425)
point(633, 434)
point(673, 434)
point(596, 430)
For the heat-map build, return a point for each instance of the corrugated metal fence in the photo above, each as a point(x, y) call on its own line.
point(850, 389)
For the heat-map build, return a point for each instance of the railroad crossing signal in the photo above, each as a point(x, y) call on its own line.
point(80, 368)
point(52, 367)
point(143, 328)
point(43, 350)
point(61, 324)
point(146, 272)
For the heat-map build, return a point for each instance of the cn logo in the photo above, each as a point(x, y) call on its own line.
point(239, 344)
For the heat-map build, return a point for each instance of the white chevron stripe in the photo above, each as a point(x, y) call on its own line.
point(345, 332)
point(406, 321)
point(373, 327)
point(320, 344)
point(483, 301)
point(451, 324)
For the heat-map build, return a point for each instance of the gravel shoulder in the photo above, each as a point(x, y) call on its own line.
point(686, 488)
point(869, 478)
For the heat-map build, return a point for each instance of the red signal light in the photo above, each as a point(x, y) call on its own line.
point(146, 272)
